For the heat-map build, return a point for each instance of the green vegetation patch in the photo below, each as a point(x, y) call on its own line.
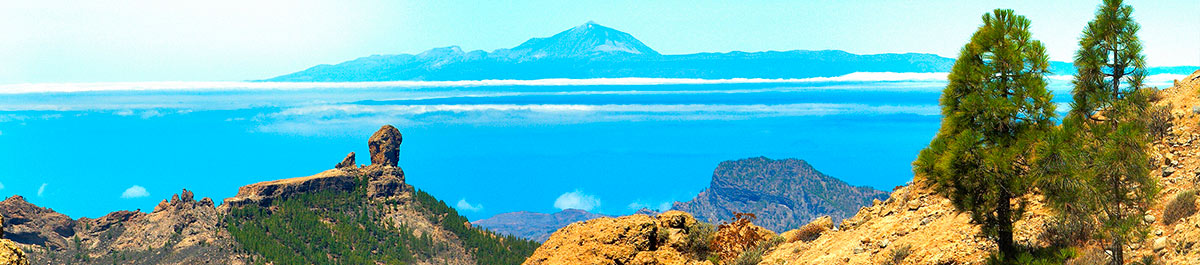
point(487, 247)
point(337, 227)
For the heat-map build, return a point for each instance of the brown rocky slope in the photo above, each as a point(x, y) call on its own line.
point(929, 227)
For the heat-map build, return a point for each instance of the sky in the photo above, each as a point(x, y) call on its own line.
point(53, 41)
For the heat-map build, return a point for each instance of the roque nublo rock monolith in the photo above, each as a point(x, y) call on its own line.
point(385, 146)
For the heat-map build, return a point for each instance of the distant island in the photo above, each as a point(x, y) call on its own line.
point(594, 51)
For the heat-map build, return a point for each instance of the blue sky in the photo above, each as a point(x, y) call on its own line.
point(223, 40)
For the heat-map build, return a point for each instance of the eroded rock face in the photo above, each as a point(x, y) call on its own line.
point(633, 239)
point(381, 182)
point(347, 162)
point(30, 224)
point(385, 146)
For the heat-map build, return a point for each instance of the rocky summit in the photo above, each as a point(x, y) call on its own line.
point(784, 194)
point(385, 146)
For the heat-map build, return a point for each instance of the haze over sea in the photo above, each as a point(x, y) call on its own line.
point(488, 147)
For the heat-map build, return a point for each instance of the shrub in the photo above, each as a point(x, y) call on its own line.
point(810, 231)
point(1182, 206)
point(1158, 120)
point(699, 239)
point(899, 254)
point(1091, 257)
point(737, 236)
point(754, 255)
point(1069, 230)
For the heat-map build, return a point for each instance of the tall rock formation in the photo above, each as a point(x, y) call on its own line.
point(385, 146)
point(784, 194)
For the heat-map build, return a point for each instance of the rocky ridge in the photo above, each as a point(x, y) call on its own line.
point(784, 194)
point(183, 230)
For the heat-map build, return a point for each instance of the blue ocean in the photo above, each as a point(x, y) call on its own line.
point(485, 148)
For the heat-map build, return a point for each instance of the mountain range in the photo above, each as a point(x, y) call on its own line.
point(534, 226)
point(783, 194)
point(595, 51)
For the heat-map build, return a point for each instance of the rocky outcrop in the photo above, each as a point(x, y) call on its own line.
point(347, 162)
point(385, 146)
point(181, 230)
point(534, 226)
point(10, 254)
point(634, 239)
point(33, 225)
point(382, 182)
point(783, 194)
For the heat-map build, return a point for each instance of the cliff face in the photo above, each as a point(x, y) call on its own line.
point(534, 226)
point(784, 194)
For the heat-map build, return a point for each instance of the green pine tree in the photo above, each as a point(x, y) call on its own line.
point(995, 109)
point(1100, 174)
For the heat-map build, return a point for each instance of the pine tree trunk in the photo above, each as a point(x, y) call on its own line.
point(1118, 252)
point(1004, 216)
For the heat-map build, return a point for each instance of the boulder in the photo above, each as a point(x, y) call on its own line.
point(385, 146)
point(347, 162)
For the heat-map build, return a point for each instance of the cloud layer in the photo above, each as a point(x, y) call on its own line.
point(463, 205)
point(577, 200)
point(135, 192)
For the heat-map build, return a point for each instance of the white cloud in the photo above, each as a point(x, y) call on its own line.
point(134, 192)
point(577, 200)
point(42, 189)
point(1, 186)
point(463, 205)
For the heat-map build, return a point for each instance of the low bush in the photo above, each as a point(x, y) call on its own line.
point(737, 236)
point(754, 255)
point(1182, 206)
point(899, 254)
point(1089, 257)
point(699, 239)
